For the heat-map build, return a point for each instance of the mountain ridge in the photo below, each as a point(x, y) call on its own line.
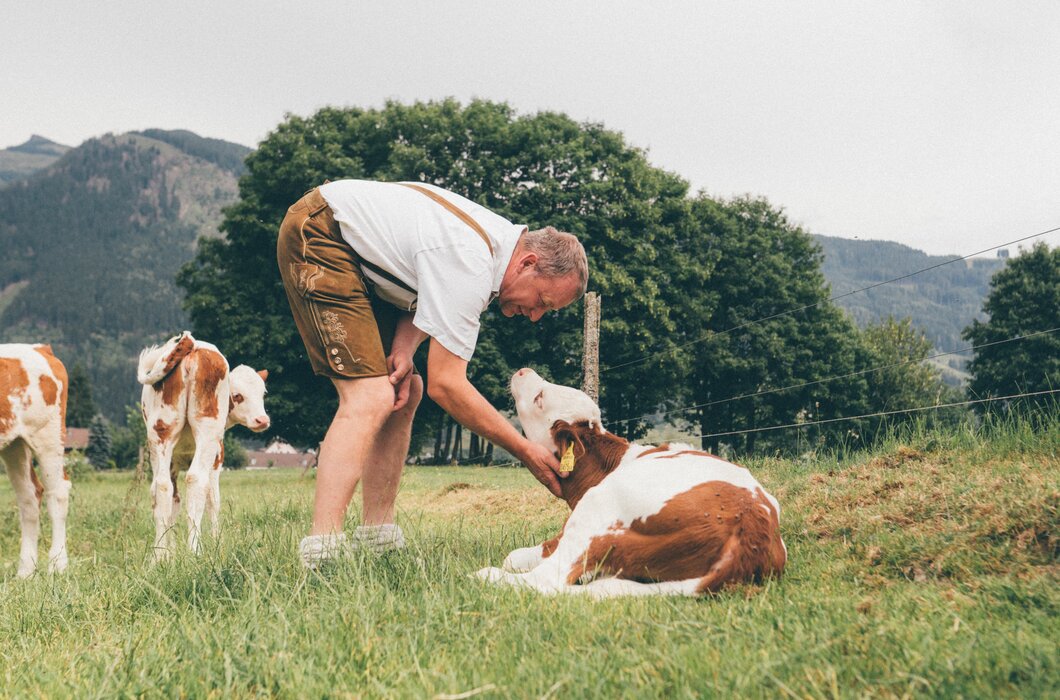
point(94, 273)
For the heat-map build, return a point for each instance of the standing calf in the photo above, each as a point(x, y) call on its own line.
point(189, 399)
point(33, 388)
point(665, 520)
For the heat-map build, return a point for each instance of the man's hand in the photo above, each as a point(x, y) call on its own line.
point(544, 466)
point(400, 367)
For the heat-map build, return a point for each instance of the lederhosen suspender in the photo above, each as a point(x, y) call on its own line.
point(456, 211)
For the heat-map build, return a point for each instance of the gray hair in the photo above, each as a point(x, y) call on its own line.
point(558, 254)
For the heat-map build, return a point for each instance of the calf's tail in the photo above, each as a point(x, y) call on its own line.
point(158, 361)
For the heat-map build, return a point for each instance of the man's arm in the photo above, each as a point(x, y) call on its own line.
point(399, 363)
point(448, 386)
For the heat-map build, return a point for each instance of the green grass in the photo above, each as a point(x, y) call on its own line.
point(928, 568)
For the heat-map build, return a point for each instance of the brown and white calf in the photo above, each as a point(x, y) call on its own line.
point(189, 399)
point(666, 520)
point(33, 388)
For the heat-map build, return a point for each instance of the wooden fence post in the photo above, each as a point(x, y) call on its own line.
point(591, 356)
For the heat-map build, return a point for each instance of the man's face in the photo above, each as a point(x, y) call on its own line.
point(531, 295)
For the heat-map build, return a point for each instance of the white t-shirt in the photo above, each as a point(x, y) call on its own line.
point(430, 249)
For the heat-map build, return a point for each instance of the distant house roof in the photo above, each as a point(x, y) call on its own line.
point(76, 439)
point(263, 460)
point(278, 446)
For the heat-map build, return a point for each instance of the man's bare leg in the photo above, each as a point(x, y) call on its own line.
point(364, 407)
point(387, 459)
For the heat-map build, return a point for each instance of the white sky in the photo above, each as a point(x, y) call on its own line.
point(935, 124)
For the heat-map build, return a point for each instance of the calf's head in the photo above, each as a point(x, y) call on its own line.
point(540, 404)
point(247, 400)
point(561, 419)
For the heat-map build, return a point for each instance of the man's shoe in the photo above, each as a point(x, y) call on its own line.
point(379, 538)
point(315, 550)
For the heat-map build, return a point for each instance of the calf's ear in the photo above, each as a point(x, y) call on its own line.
point(264, 374)
point(564, 435)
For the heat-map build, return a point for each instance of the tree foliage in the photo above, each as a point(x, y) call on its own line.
point(539, 170)
point(704, 300)
point(903, 379)
point(763, 323)
point(98, 450)
point(1024, 299)
point(90, 247)
point(80, 407)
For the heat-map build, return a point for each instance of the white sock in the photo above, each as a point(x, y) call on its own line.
point(317, 549)
point(379, 538)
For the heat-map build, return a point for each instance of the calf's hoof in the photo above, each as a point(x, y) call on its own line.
point(521, 560)
point(58, 563)
point(491, 574)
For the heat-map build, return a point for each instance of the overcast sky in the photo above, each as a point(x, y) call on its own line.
point(934, 124)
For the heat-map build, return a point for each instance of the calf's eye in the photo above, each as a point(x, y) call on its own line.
point(238, 398)
point(539, 400)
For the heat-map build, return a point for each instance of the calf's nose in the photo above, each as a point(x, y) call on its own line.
point(523, 371)
point(261, 423)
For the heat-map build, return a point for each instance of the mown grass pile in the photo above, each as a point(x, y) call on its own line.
point(928, 567)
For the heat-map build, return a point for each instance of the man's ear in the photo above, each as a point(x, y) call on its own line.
point(529, 261)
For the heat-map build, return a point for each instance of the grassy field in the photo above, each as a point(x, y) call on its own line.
point(928, 568)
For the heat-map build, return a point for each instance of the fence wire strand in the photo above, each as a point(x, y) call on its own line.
point(875, 415)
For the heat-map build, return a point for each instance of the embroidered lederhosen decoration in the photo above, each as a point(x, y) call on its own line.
point(455, 210)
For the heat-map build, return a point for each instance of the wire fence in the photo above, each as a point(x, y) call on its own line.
point(747, 324)
point(808, 424)
point(848, 375)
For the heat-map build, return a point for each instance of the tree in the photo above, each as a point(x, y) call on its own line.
point(80, 408)
point(1024, 299)
point(235, 453)
point(99, 443)
point(763, 322)
point(903, 379)
point(127, 441)
point(540, 169)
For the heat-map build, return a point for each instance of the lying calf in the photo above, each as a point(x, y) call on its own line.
point(189, 399)
point(644, 520)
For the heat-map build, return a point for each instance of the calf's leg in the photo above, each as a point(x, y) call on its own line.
point(17, 460)
point(213, 498)
point(49, 453)
point(207, 452)
point(162, 493)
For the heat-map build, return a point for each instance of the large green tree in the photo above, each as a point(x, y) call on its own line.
point(538, 169)
point(1024, 300)
point(772, 326)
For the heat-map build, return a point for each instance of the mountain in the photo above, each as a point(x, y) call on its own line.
point(941, 301)
point(93, 242)
point(18, 162)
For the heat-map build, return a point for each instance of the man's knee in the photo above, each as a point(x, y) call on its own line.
point(371, 397)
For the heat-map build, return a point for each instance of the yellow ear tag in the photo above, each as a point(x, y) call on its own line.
point(566, 464)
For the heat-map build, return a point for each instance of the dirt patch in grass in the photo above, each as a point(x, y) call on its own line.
point(461, 499)
point(917, 516)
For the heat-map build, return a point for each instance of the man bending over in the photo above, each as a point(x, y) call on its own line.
point(371, 270)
